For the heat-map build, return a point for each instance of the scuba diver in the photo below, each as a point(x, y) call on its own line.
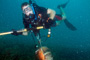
point(34, 16)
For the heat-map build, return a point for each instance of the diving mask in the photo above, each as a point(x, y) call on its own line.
point(28, 10)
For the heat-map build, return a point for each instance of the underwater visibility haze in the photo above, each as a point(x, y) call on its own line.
point(65, 44)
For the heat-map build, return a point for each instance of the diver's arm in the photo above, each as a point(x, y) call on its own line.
point(50, 20)
point(52, 13)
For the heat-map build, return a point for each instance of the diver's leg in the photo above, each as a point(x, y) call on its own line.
point(63, 16)
point(67, 23)
point(62, 13)
point(61, 9)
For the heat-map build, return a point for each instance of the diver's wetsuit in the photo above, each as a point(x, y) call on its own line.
point(39, 20)
point(35, 20)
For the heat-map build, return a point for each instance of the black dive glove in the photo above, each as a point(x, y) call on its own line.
point(16, 33)
point(49, 23)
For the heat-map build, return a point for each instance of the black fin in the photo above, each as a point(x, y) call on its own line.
point(69, 25)
point(63, 5)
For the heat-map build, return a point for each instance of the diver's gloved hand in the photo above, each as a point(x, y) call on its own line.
point(16, 33)
point(49, 23)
